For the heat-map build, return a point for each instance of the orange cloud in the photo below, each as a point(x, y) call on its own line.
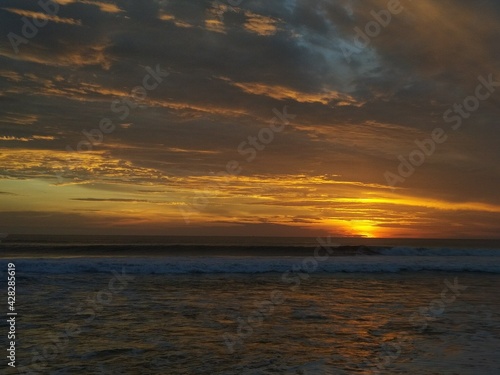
point(169, 17)
point(260, 24)
point(40, 15)
point(287, 93)
point(105, 7)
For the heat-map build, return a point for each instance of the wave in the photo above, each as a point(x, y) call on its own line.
point(131, 250)
point(256, 265)
point(442, 252)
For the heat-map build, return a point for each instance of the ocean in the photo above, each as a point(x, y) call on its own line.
point(234, 305)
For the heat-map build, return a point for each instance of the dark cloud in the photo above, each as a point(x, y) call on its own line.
point(226, 75)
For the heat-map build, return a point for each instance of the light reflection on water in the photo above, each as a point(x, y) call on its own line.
point(331, 324)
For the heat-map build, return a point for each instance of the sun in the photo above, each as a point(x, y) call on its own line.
point(363, 228)
point(355, 227)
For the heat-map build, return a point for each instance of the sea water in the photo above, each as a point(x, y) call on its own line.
point(391, 310)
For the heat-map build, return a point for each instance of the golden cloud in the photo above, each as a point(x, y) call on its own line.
point(40, 15)
point(104, 7)
point(260, 24)
point(286, 93)
point(171, 18)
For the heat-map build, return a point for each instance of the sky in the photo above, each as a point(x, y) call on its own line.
point(250, 117)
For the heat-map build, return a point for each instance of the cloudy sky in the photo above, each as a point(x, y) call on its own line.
point(250, 117)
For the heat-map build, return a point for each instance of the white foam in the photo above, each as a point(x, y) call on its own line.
point(442, 252)
point(249, 265)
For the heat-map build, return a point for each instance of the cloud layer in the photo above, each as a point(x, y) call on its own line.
point(359, 103)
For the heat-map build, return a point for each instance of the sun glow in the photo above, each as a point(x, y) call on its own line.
point(356, 228)
point(364, 228)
